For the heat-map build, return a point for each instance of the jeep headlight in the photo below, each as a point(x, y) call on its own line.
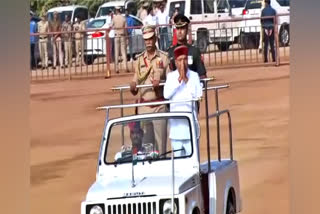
point(166, 209)
point(96, 210)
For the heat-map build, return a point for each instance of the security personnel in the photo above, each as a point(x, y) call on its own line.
point(268, 28)
point(151, 67)
point(119, 23)
point(194, 56)
point(67, 27)
point(55, 26)
point(78, 36)
point(43, 28)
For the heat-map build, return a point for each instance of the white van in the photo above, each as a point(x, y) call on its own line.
point(73, 10)
point(210, 10)
point(107, 7)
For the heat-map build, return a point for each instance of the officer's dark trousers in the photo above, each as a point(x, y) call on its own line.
point(164, 38)
point(269, 39)
point(32, 58)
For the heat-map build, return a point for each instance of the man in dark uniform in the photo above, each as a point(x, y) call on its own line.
point(268, 30)
point(194, 56)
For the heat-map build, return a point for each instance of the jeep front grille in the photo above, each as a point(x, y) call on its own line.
point(133, 208)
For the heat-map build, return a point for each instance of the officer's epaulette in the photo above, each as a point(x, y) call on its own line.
point(140, 54)
point(163, 52)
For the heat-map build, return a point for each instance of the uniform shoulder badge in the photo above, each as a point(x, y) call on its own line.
point(163, 52)
point(140, 54)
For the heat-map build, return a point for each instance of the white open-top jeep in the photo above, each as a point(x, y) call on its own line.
point(147, 181)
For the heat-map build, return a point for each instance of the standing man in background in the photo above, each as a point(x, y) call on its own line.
point(130, 23)
point(143, 13)
point(261, 32)
point(67, 27)
point(43, 27)
point(174, 36)
point(151, 18)
point(156, 6)
point(268, 29)
point(119, 24)
point(55, 26)
point(195, 62)
point(78, 40)
point(33, 41)
point(163, 19)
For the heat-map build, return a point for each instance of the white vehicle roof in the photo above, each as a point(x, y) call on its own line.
point(66, 8)
point(113, 3)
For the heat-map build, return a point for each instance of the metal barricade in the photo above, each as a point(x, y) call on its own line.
point(72, 58)
point(223, 43)
point(237, 41)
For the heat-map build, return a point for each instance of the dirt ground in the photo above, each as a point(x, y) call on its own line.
point(66, 131)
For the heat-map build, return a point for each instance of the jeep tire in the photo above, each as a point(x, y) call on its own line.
point(89, 59)
point(230, 207)
point(284, 36)
point(249, 41)
point(202, 41)
point(223, 46)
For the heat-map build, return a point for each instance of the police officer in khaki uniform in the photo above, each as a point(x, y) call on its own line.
point(43, 27)
point(120, 22)
point(67, 27)
point(55, 26)
point(79, 39)
point(151, 67)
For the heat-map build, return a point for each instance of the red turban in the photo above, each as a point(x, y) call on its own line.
point(180, 50)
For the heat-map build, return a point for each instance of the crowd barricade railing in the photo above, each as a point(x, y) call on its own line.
point(94, 54)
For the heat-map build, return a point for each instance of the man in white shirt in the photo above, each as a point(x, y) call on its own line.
point(143, 13)
point(163, 19)
point(181, 84)
point(151, 19)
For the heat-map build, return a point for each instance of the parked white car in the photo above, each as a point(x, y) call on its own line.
point(95, 44)
point(109, 6)
point(222, 34)
point(145, 180)
point(250, 33)
point(73, 11)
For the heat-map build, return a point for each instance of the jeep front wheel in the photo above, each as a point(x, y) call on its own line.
point(230, 208)
point(202, 42)
point(284, 36)
point(89, 59)
point(223, 46)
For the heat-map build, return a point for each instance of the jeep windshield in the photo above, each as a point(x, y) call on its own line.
point(149, 140)
point(62, 15)
point(105, 11)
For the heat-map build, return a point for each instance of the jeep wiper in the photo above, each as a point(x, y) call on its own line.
point(129, 158)
point(125, 159)
point(170, 151)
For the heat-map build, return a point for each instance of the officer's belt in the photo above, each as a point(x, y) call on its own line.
point(141, 100)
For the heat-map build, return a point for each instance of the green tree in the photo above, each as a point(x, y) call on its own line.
point(42, 6)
